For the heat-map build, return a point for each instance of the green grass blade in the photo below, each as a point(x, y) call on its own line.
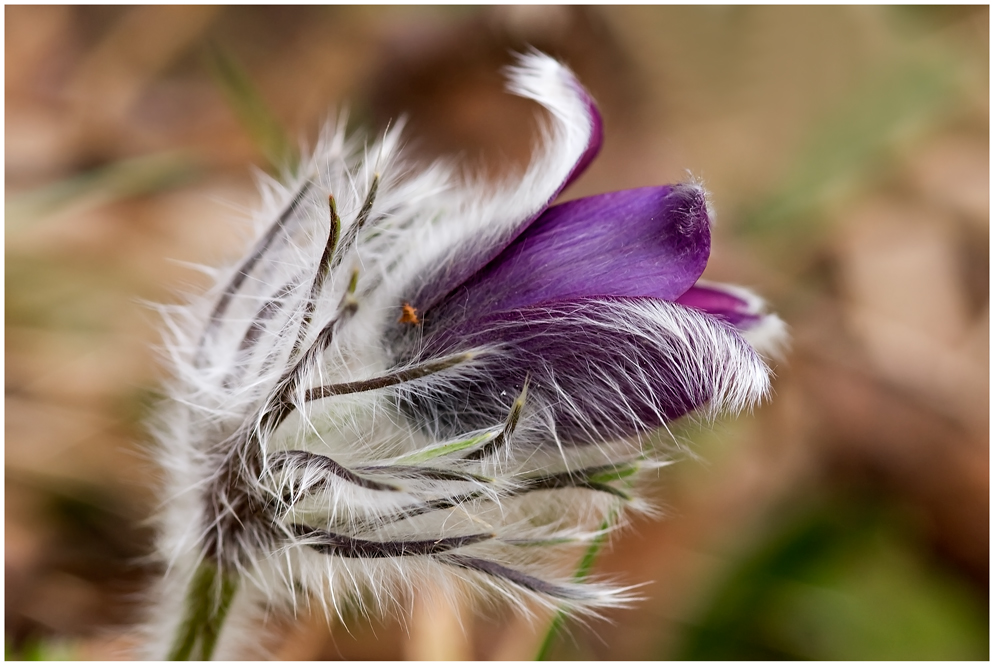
point(252, 111)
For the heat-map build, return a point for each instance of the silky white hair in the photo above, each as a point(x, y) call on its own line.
point(287, 456)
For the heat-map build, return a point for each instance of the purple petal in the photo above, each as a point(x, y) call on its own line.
point(741, 308)
point(652, 241)
point(488, 224)
point(573, 111)
point(601, 368)
point(727, 303)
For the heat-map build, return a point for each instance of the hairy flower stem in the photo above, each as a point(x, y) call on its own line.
point(207, 602)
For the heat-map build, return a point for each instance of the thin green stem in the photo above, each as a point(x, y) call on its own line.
point(582, 571)
point(207, 603)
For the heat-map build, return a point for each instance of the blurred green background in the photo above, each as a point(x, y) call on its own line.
point(847, 152)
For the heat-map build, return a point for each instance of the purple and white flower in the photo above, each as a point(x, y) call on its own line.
point(412, 383)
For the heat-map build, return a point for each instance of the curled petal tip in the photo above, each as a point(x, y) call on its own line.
point(549, 82)
point(493, 218)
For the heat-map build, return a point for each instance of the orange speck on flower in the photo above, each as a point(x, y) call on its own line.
point(409, 315)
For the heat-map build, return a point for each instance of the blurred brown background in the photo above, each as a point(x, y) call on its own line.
point(847, 153)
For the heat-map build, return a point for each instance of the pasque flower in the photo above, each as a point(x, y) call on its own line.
point(415, 384)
